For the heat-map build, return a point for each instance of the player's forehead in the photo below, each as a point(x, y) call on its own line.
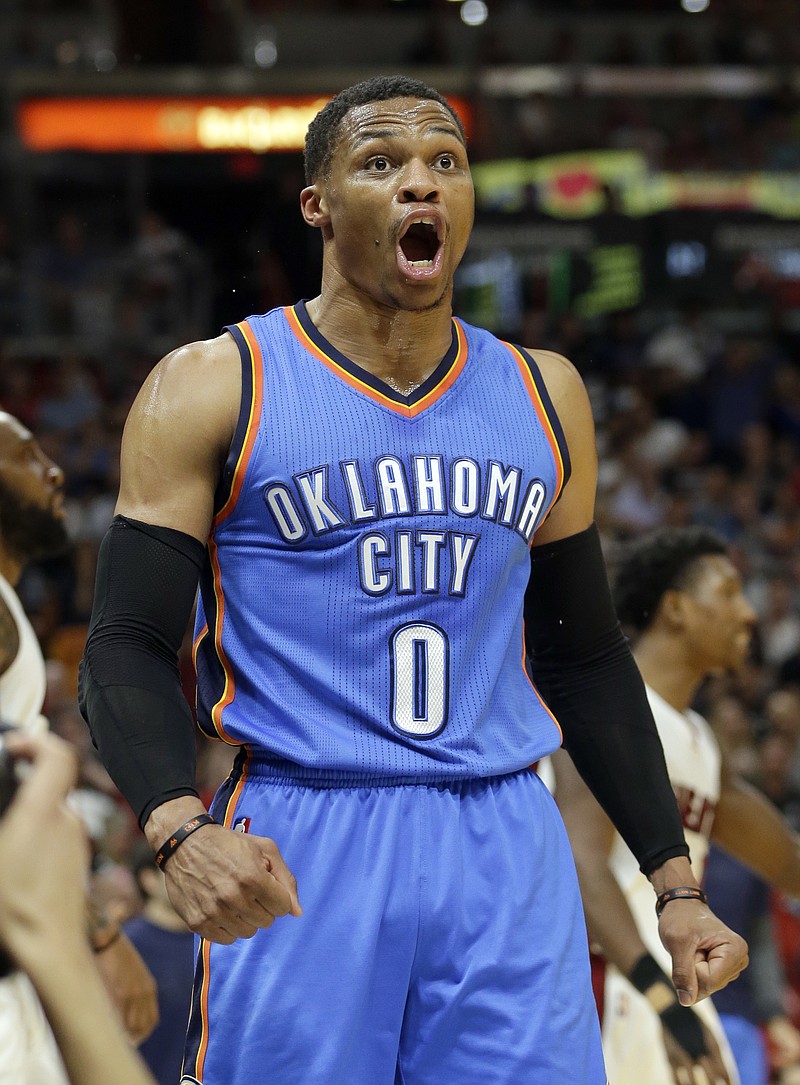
point(396, 118)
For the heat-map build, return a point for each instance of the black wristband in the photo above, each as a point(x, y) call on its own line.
point(646, 972)
point(684, 1024)
point(679, 892)
point(680, 1021)
point(177, 838)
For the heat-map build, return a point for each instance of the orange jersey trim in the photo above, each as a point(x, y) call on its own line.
point(543, 417)
point(257, 373)
point(366, 389)
point(229, 689)
point(200, 1058)
point(254, 417)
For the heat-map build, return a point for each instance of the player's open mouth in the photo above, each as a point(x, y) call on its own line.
point(419, 248)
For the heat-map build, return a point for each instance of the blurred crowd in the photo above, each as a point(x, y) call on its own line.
point(695, 425)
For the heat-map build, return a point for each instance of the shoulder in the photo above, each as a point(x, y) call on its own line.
point(178, 434)
point(570, 399)
point(202, 369)
point(562, 379)
point(574, 509)
point(196, 387)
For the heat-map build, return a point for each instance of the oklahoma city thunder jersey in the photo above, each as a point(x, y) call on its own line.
point(361, 607)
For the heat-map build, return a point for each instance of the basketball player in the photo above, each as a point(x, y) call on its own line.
point(356, 481)
point(43, 919)
point(682, 597)
point(31, 527)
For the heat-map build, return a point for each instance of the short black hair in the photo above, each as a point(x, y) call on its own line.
point(323, 130)
point(655, 564)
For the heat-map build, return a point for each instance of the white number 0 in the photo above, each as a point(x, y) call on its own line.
point(420, 661)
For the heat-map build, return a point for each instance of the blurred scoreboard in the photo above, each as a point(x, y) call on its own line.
point(610, 262)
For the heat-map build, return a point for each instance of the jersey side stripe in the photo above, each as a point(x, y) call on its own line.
point(229, 689)
point(361, 386)
point(546, 412)
point(203, 1048)
point(199, 1015)
point(233, 798)
point(253, 369)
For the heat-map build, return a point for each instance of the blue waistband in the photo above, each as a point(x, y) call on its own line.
point(264, 767)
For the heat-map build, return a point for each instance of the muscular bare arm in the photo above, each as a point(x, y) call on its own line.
point(225, 885)
point(177, 436)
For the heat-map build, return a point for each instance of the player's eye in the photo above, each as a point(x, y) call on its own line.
point(380, 164)
point(446, 161)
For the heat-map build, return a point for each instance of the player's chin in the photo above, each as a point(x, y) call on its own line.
point(418, 306)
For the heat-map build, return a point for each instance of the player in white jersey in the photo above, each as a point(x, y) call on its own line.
point(31, 527)
point(682, 601)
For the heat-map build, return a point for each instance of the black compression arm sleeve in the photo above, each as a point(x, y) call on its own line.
point(584, 670)
point(129, 688)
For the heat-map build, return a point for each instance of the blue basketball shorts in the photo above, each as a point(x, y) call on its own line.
point(442, 940)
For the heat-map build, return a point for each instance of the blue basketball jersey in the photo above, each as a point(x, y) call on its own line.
point(360, 611)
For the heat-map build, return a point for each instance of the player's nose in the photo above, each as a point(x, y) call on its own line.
point(418, 183)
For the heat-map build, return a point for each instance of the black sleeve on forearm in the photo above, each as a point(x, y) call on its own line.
point(129, 687)
point(584, 670)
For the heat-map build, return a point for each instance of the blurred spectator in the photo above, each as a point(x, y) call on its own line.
point(162, 272)
point(66, 265)
point(167, 946)
point(71, 399)
point(686, 344)
point(780, 623)
point(732, 725)
point(752, 1008)
point(737, 392)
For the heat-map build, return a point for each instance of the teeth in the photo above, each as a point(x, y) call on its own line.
point(420, 263)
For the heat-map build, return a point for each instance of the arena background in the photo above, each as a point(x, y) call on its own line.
point(638, 174)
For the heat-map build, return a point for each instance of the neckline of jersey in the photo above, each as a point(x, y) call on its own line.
point(455, 354)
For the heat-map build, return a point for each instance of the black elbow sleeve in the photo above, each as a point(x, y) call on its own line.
point(584, 670)
point(129, 687)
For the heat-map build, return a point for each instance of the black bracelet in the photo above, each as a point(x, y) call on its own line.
point(680, 892)
point(174, 842)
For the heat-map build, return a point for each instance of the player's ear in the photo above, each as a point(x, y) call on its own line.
point(672, 608)
point(314, 206)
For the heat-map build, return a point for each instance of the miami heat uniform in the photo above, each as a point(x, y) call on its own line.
point(28, 1053)
point(632, 1035)
point(360, 635)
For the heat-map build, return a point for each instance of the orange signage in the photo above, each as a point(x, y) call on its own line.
point(166, 124)
point(170, 124)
